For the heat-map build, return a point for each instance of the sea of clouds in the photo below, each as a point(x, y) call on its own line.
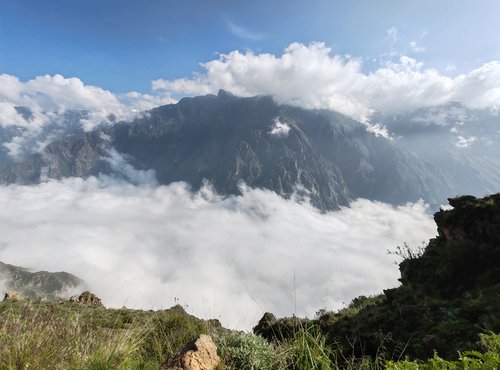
point(231, 258)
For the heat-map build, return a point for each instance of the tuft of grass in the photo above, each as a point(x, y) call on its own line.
point(308, 350)
point(45, 336)
point(470, 360)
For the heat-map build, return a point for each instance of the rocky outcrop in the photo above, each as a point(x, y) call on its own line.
point(11, 295)
point(200, 354)
point(87, 298)
point(448, 295)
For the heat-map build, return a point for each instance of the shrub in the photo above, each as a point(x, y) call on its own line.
point(242, 351)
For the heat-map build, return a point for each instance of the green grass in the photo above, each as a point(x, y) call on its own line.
point(73, 336)
point(77, 337)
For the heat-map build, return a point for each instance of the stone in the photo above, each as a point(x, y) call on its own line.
point(11, 295)
point(87, 298)
point(265, 327)
point(200, 354)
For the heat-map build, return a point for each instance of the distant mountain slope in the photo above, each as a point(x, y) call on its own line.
point(228, 140)
point(18, 142)
point(463, 141)
point(38, 285)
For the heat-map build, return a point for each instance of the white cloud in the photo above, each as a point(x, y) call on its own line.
point(231, 258)
point(279, 129)
point(49, 96)
point(443, 116)
point(243, 33)
point(45, 95)
point(121, 165)
point(392, 33)
point(311, 76)
point(465, 142)
point(415, 47)
point(10, 116)
point(450, 67)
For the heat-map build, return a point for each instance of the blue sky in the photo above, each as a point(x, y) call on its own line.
point(122, 45)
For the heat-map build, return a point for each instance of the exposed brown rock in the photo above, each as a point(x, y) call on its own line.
point(200, 354)
point(11, 295)
point(86, 298)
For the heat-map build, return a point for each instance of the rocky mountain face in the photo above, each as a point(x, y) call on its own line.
point(39, 285)
point(229, 141)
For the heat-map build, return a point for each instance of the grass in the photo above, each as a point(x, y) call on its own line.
point(73, 336)
point(78, 337)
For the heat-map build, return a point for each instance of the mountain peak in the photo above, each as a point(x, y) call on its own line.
point(227, 140)
point(225, 94)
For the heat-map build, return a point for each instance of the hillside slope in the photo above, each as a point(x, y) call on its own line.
point(448, 295)
point(39, 285)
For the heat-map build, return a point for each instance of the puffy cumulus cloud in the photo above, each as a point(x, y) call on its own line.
point(304, 75)
point(10, 116)
point(48, 97)
point(232, 258)
point(414, 46)
point(279, 129)
point(465, 142)
point(312, 76)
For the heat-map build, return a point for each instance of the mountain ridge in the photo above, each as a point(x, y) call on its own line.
point(227, 140)
point(39, 285)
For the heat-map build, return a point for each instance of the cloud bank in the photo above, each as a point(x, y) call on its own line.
point(34, 110)
point(46, 96)
point(230, 258)
point(311, 76)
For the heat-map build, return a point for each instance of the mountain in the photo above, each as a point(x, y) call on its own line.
point(39, 285)
point(461, 140)
point(18, 142)
point(228, 140)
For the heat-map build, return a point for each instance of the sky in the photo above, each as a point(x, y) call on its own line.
point(124, 45)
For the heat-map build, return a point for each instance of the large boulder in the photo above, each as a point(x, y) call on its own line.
point(200, 354)
point(87, 298)
point(11, 295)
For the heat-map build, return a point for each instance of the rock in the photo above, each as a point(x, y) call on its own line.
point(265, 326)
point(200, 354)
point(86, 298)
point(11, 295)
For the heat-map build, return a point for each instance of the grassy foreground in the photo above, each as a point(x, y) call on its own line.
point(73, 336)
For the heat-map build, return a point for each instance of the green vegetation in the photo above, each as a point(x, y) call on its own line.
point(80, 337)
point(74, 336)
point(471, 360)
point(449, 295)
